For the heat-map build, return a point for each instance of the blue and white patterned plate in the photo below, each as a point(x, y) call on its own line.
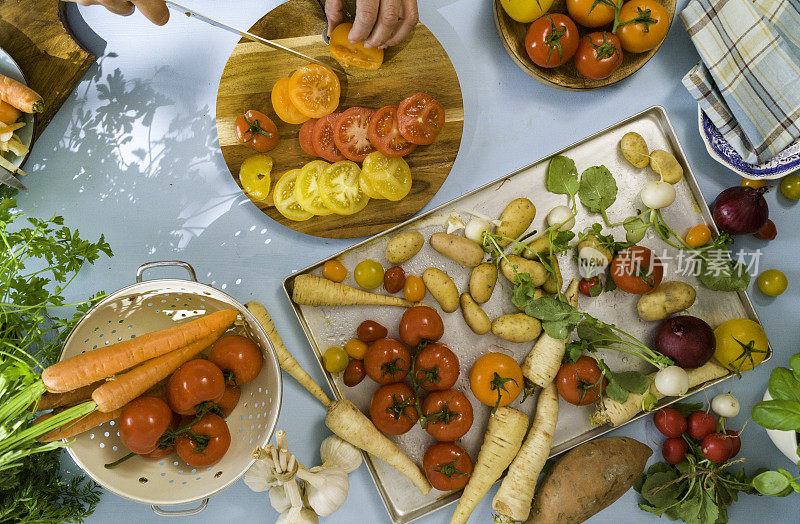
point(720, 150)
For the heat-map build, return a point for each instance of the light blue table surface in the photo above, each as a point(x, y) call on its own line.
point(133, 154)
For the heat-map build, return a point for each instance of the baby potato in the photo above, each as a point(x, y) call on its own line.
point(634, 149)
point(442, 288)
point(668, 298)
point(474, 316)
point(516, 327)
point(463, 250)
point(538, 245)
point(482, 281)
point(515, 219)
point(553, 284)
point(665, 164)
point(535, 269)
point(404, 246)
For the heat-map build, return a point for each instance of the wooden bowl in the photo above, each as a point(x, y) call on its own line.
point(512, 34)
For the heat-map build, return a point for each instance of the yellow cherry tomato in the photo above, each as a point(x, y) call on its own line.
point(698, 236)
point(772, 282)
point(495, 379)
point(338, 188)
point(335, 359)
point(306, 189)
point(284, 198)
point(369, 274)
point(390, 177)
point(356, 348)
point(254, 175)
point(525, 10)
point(414, 288)
point(334, 270)
point(753, 183)
point(790, 187)
point(741, 344)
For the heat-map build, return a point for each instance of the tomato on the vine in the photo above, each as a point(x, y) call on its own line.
point(257, 131)
point(598, 55)
point(637, 270)
point(448, 414)
point(698, 235)
point(447, 466)
point(193, 383)
point(580, 382)
point(643, 25)
point(741, 344)
point(420, 323)
point(392, 409)
point(592, 13)
point(387, 361)
point(142, 422)
point(213, 442)
point(495, 379)
point(230, 398)
point(238, 357)
point(552, 40)
point(436, 367)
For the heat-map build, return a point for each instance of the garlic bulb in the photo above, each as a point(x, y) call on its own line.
point(279, 498)
point(326, 489)
point(337, 452)
point(298, 515)
point(261, 476)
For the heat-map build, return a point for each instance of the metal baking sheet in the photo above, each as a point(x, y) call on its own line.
point(327, 326)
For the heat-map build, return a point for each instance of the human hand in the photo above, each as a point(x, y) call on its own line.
point(378, 23)
point(155, 10)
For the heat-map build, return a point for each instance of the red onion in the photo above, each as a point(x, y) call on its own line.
point(741, 210)
point(687, 340)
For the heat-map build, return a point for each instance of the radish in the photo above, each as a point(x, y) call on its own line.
point(672, 381)
point(658, 194)
point(725, 405)
point(561, 216)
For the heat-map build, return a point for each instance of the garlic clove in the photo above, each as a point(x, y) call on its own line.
point(326, 489)
point(260, 476)
point(298, 516)
point(279, 498)
point(337, 452)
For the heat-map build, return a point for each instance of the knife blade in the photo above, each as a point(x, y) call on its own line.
point(250, 36)
point(10, 180)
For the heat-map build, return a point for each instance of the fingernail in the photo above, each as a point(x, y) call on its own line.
point(367, 45)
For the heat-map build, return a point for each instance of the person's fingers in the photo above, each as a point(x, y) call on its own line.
point(155, 10)
point(333, 12)
point(407, 23)
point(388, 19)
point(366, 15)
point(118, 7)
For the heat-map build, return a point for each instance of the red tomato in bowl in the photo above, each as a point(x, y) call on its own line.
point(202, 454)
point(637, 270)
point(447, 466)
point(420, 118)
point(387, 361)
point(436, 367)
point(350, 133)
point(392, 409)
point(385, 135)
point(238, 357)
point(257, 131)
point(598, 55)
point(142, 422)
point(195, 382)
point(322, 139)
point(420, 323)
point(450, 413)
point(551, 40)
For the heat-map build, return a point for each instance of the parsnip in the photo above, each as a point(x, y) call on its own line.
point(311, 290)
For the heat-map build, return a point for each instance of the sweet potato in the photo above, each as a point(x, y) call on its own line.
point(588, 479)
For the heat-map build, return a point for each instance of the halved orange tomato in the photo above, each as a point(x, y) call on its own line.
point(283, 105)
point(314, 90)
point(355, 55)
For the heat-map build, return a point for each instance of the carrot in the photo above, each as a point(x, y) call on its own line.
point(285, 359)
point(77, 426)
point(8, 113)
point(104, 362)
point(350, 424)
point(503, 438)
point(616, 413)
point(20, 96)
point(311, 290)
point(542, 363)
point(513, 500)
point(343, 418)
point(116, 393)
point(50, 401)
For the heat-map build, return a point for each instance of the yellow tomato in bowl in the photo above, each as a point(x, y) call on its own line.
point(526, 10)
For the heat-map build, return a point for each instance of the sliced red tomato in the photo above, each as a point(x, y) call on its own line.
point(306, 137)
point(420, 118)
point(350, 133)
point(385, 135)
point(322, 138)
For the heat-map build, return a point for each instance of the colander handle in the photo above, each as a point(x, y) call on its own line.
point(180, 512)
point(163, 263)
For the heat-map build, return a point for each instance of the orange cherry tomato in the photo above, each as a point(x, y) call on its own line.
point(414, 288)
point(314, 90)
point(355, 55)
point(643, 25)
point(755, 184)
point(698, 235)
point(257, 131)
point(283, 105)
point(334, 270)
point(356, 348)
point(589, 13)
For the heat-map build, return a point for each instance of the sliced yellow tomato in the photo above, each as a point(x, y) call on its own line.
point(314, 90)
point(306, 189)
point(390, 177)
point(254, 175)
point(338, 187)
point(283, 105)
point(355, 55)
point(367, 188)
point(285, 200)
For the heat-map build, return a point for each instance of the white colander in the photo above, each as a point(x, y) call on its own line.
point(149, 306)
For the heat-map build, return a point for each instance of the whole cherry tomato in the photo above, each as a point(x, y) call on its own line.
point(142, 422)
point(195, 382)
point(551, 40)
point(495, 379)
point(354, 373)
point(768, 232)
point(356, 348)
point(370, 331)
point(414, 288)
point(334, 270)
point(394, 279)
point(204, 452)
point(238, 357)
point(698, 235)
point(436, 367)
point(637, 270)
point(387, 361)
point(420, 323)
point(448, 414)
point(643, 25)
point(447, 466)
point(580, 382)
point(598, 55)
point(257, 131)
point(392, 409)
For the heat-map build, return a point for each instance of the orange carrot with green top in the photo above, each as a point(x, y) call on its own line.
point(20, 96)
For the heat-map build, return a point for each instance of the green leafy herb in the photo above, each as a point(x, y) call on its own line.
point(720, 273)
point(635, 228)
point(687, 408)
point(597, 190)
point(562, 177)
point(783, 385)
point(777, 414)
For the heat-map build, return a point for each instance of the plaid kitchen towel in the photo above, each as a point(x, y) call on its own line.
point(748, 82)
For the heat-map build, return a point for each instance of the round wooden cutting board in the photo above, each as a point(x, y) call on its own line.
point(418, 64)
